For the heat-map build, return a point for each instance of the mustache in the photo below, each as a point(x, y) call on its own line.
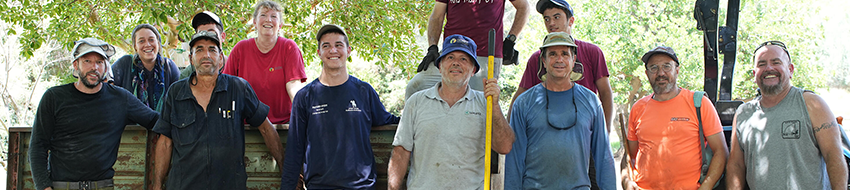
point(659, 78)
point(777, 73)
point(206, 59)
point(95, 73)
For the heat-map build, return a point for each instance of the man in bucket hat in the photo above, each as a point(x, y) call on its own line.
point(664, 134)
point(559, 127)
point(203, 140)
point(443, 127)
point(78, 126)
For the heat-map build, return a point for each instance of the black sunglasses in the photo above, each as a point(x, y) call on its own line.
point(570, 121)
point(773, 42)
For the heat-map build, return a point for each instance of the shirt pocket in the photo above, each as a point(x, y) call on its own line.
point(184, 132)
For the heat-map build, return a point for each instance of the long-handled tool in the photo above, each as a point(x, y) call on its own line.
point(491, 51)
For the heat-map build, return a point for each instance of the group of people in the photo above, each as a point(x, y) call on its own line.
point(555, 135)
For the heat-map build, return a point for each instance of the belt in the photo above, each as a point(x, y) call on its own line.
point(83, 185)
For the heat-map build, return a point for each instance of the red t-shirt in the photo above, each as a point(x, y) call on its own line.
point(474, 19)
point(668, 154)
point(590, 56)
point(268, 73)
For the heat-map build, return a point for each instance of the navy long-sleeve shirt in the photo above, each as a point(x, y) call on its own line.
point(82, 132)
point(329, 136)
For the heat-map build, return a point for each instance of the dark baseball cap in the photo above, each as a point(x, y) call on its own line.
point(203, 34)
point(205, 18)
point(660, 49)
point(560, 3)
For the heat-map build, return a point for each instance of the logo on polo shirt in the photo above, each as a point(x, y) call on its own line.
point(680, 119)
point(353, 106)
point(473, 113)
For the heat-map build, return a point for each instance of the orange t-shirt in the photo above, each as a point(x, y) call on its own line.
point(668, 154)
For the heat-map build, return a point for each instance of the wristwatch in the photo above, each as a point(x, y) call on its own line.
point(511, 37)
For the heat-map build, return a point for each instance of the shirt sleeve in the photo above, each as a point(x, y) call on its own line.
point(42, 131)
point(231, 67)
point(604, 160)
point(710, 120)
point(295, 142)
point(118, 69)
point(253, 111)
point(173, 72)
point(637, 109)
point(163, 124)
point(138, 112)
point(530, 74)
point(598, 59)
point(294, 62)
point(404, 132)
point(515, 160)
point(380, 115)
point(186, 72)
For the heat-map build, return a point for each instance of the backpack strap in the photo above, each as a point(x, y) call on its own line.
point(698, 104)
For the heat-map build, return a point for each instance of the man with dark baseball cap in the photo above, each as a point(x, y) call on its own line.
point(78, 126)
point(203, 140)
point(667, 133)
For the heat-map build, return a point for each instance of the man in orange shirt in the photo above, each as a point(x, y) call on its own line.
point(664, 134)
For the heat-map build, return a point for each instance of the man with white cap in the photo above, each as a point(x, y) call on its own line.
point(442, 132)
point(206, 21)
point(203, 139)
point(78, 126)
point(559, 127)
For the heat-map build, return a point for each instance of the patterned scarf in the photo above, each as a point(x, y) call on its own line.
point(141, 84)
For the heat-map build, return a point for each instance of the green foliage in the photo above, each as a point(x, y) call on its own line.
point(627, 29)
point(385, 33)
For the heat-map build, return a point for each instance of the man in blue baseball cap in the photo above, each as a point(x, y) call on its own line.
point(445, 126)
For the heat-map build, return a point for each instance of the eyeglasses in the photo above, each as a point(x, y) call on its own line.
point(563, 121)
point(664, 67)
point(773, 42)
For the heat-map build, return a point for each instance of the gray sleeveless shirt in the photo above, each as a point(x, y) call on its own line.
point(779, 145)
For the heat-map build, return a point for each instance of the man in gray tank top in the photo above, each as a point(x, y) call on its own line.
point(787, 138)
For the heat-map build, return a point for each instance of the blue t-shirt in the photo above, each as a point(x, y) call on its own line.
point(208, 147)
point(544, 157)
point(329, 136)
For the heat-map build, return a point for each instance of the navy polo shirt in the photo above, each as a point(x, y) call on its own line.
point(209, 146)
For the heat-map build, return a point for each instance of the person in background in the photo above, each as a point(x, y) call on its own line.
point(271, 63)
point(147, 74)
point(210, 22)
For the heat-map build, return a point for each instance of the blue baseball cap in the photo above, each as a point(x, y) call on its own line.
point(560, 3)
point(457, 42)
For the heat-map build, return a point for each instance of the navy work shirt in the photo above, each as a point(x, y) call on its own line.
point(209, 146)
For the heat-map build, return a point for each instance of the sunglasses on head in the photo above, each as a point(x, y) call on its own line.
point(773, 42)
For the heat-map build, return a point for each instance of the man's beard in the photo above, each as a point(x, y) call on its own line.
point(772, 89)
point(87, 83)
point(661, 89)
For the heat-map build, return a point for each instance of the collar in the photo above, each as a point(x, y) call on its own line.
point(434, 92)
point(221, 85)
